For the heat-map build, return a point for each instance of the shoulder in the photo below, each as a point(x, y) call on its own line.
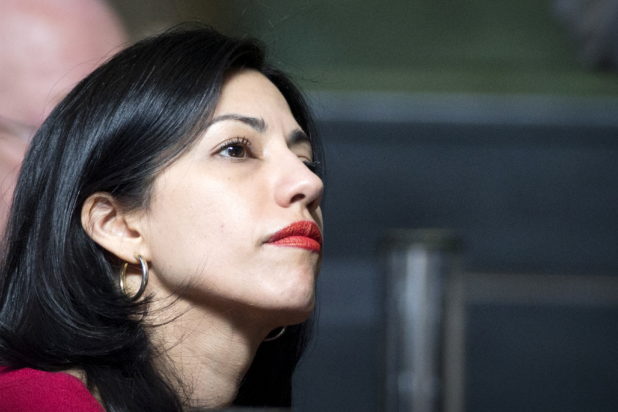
point(26, 390)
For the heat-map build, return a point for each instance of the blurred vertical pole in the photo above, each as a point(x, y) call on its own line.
point(418, 266)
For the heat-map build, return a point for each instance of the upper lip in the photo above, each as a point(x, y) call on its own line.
point(304, 228)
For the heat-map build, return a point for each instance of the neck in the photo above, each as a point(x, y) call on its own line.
point(205, 353)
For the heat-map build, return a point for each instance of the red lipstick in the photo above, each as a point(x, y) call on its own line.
point(304, 235)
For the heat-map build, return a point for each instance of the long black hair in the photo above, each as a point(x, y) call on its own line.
point(60, 304)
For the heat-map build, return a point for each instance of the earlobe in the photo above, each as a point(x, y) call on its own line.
point(113, 229)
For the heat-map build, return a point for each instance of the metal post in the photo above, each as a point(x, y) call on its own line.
point(418, 263)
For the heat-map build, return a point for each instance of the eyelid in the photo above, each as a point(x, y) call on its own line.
point(306, 158)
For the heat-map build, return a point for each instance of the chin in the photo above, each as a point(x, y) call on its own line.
point(294, 318)
point(294, 311)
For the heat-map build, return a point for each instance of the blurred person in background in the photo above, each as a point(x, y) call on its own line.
point(46, 47)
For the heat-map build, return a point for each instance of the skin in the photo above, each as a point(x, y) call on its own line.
point(47, 47)
point(205, 236)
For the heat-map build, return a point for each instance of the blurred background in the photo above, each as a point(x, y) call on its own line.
point(495, 120)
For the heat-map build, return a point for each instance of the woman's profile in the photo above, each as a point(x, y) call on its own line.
point(165, 235)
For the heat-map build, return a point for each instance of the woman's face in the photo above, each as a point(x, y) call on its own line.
point(210, 223)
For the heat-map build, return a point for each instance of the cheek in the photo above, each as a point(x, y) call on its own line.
point(179, 230)
point(199, 234)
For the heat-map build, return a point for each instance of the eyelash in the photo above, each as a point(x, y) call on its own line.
point(236, 141)
point(313, 166)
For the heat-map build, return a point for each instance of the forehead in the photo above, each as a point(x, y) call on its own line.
point(250, 93)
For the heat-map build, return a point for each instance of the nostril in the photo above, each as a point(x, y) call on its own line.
point(297, 197)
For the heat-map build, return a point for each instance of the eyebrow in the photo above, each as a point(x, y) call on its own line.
point(297, 136)
point(253, 122)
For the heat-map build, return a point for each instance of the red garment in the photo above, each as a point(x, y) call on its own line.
point(32, 390)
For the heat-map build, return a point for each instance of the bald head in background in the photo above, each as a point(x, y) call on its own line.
point(46, 47)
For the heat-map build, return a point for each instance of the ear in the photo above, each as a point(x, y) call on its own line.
point(112, 228)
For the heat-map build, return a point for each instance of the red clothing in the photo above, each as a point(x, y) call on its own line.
point(31, 390)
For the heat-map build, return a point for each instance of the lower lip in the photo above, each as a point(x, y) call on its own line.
point(301, 242)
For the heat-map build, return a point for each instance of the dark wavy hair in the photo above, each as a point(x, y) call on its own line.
point(60, 303)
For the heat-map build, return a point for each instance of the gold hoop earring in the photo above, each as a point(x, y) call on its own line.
point(142, 286)
point(275, 336)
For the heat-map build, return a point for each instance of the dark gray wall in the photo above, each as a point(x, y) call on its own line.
point(529, 184)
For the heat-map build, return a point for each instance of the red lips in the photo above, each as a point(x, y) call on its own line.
point(304, 235)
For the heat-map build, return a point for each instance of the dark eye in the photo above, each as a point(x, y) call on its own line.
point(237, 148)
point(234, 150)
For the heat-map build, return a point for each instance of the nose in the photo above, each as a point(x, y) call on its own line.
point(297, 184)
